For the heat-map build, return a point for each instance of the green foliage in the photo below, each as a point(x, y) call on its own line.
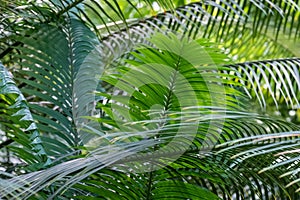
point(149, 99)
point(19, 124)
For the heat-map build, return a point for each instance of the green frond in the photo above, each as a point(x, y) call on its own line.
point(52, 80)
point(177, 65)
point(272, 146)
point(17, 122)
point(173, 119)
point(271, 81)
point(231, 23)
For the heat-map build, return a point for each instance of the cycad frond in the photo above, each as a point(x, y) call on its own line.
point(17, 118)
point(182, 79)
point(274, 151)
point(271, 81)
point(172, 96)
point(210, 19)
point(51, 79)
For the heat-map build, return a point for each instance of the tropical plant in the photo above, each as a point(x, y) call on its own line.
point(149, 99)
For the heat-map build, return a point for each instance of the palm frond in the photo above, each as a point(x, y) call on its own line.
point(214, 170)
point(206, 18)
point(172, 78)
point(272, 147)
point(52, 79)
point(210, 20)
point(17, 120)
point(271, 81)
point(275, 152)
point(60, 83)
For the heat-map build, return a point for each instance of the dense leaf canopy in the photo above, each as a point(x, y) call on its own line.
point(149, 99)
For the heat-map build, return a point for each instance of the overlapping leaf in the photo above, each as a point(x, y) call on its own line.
point(19, 124)
point(57, 78)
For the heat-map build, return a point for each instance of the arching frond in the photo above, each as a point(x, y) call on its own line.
point(17, 121)
point(271, 81)
point(176, 122)
point(163, 88)
point(230, 22)
point(52, 79)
